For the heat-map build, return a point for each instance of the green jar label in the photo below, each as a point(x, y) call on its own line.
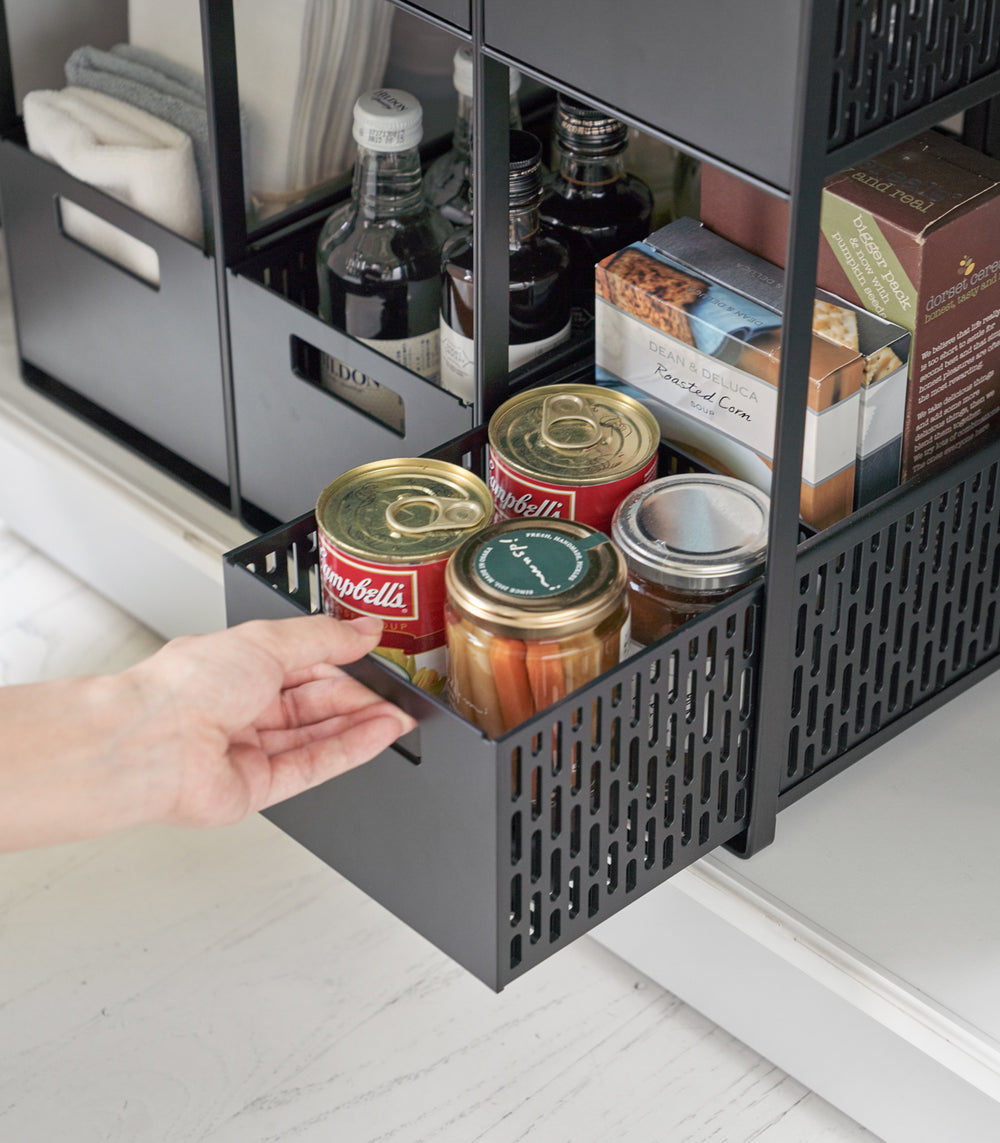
point(534, 563)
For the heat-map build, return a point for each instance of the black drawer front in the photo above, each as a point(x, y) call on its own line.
point(719, 74)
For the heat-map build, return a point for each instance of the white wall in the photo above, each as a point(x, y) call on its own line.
point(44, 32)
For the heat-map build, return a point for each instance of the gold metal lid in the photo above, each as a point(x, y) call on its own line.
point(574, 434)
point(536, 581)
point(406, 510)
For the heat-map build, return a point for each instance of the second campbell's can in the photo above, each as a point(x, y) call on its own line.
point(571, 452)
point(385, 532)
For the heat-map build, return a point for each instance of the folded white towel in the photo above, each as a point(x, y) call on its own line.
point(301, 65)
point(129, 154)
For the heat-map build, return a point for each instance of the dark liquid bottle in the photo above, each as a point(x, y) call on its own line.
point(378, 258)
point(448, 180)
point(592, 204)
point(538, 279)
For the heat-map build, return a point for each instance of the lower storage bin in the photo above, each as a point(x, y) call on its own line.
point(293, 436)
point(897, 611)
point(502, 852)
point(135, 358)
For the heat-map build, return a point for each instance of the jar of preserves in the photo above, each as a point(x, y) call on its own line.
point(689, 542)
point(533, 611)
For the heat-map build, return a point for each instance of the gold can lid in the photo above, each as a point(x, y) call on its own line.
point(536, 581)
point(404, 510)
point(574, 434)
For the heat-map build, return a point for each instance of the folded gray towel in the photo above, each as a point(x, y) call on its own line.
point(168, 90)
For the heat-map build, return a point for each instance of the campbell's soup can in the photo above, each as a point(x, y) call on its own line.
point(385, 531)
point(570, 452)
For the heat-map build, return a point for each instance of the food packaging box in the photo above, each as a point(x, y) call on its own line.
point(691, 325)
point(912, 234)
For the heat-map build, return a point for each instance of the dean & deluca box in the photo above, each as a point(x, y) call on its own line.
point(912, 234)
point(691, 325)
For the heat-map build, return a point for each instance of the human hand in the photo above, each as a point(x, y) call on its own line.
point(206, 731)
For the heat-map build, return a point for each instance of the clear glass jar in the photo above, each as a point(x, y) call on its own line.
point(532, 613)
point(689, 542)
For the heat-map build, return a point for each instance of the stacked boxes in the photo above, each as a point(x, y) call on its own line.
point(691, 325)
point(912, 234)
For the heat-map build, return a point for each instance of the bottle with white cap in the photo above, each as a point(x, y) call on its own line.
point(448, 180)
point(378, 258)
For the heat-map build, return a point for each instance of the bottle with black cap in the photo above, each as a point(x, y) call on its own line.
point(379, 255)
point(592, 204)
point(538, 279)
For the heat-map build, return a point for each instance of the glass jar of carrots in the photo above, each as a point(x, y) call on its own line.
point(533, 611)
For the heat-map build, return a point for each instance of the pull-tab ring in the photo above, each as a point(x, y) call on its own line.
point(452, 513)
point(569, 407)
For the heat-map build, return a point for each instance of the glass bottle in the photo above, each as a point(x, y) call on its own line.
point(592, 204)
point(378, 258)
point(448, 180)
point(538, 279)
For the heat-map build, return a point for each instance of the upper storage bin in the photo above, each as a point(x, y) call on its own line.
point(721, 76)
point(106, 190)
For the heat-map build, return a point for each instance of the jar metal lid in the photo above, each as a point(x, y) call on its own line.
point(403, 511)
point(698, 532)
point(536, 581)
point(388, 120)
point(584, 128)
point(574, 435)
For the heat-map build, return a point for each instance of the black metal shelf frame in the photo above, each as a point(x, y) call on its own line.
point(501, 852)
point(895, 606)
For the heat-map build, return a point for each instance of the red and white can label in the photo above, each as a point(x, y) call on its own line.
point(408, 598)
point(535, 498)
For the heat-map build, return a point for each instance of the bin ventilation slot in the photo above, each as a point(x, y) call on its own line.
point(636, 800)
point(903, 613)
point(894, 56)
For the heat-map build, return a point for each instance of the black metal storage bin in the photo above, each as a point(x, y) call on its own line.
point(293, 436)
point(502, 852)
point(721, 76)
point(896, 612)
point(143, 362)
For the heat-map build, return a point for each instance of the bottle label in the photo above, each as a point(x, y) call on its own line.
point(519, 354)
point(363, 392)
point(420, 354)
point(458, 363)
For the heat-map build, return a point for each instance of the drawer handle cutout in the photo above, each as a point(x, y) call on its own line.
point(108, 241)
point(368, 396)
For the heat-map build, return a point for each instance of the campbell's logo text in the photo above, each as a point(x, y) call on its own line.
point(514, 502)
point(369, 593)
